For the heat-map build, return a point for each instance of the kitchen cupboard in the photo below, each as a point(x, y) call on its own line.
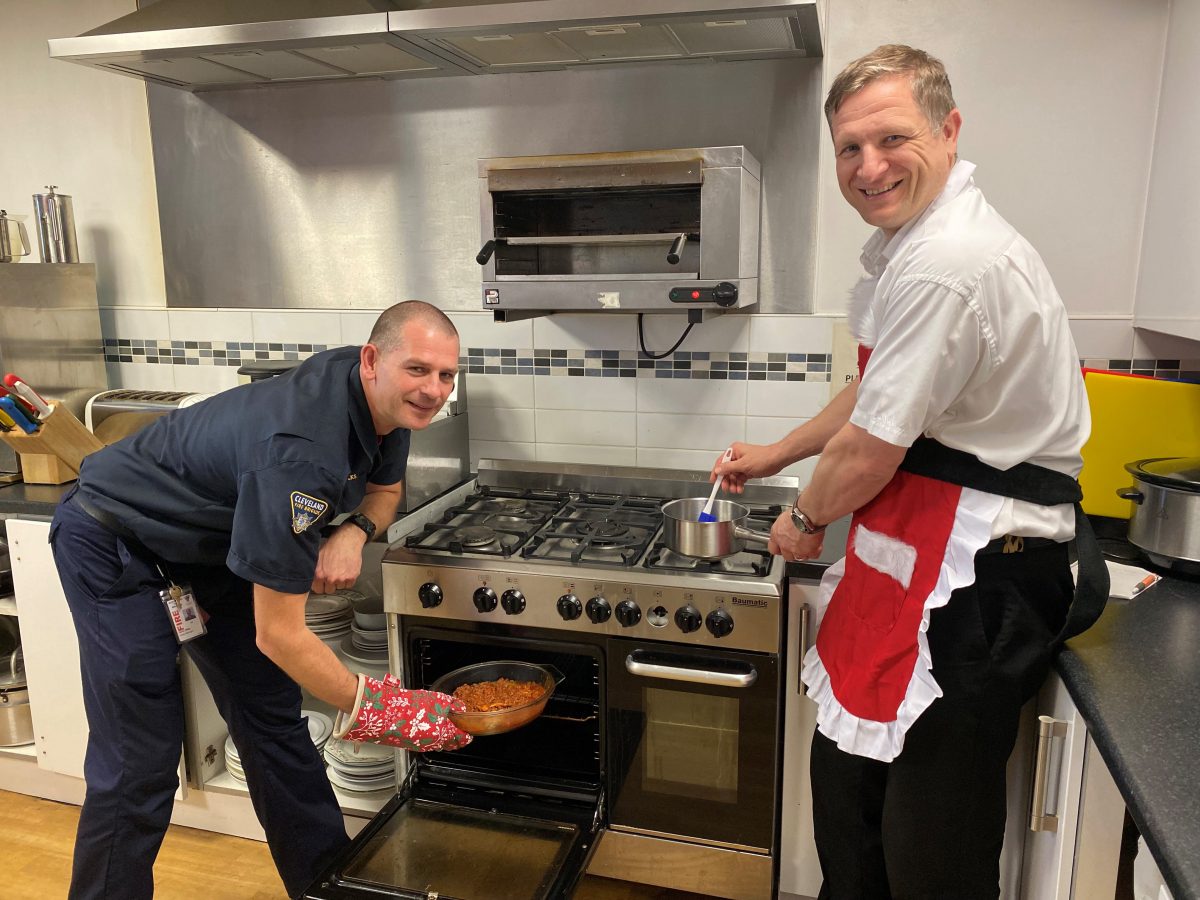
point(1169, 270)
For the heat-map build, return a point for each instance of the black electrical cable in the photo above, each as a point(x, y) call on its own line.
point(648, 354)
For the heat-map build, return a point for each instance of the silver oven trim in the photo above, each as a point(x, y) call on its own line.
point(695, 676)
point(688, 839)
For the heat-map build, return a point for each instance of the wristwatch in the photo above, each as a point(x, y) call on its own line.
point(364, 523)
point(803, 523)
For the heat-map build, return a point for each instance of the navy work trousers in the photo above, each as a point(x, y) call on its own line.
point(930, 824)
point(131, 688)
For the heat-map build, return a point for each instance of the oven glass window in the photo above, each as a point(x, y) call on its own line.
point(691, 745)
point(460, 852)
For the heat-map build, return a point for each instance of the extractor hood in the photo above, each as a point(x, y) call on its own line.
point(219, 44)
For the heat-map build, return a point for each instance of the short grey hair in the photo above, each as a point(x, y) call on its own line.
point(389, 327)
point(926, 75)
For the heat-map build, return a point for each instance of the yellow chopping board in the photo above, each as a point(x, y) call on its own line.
point(1132, 419)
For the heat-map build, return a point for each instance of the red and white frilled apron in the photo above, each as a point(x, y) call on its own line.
point(908, 550)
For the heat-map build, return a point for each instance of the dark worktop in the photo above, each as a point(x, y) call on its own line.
point(20, 500)
point(1135, 677)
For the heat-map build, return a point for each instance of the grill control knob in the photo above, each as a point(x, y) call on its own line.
point(598, 610)
point(569, 607)
point(719, 623)
point(430, 595)
point(628, 613)
point(688, 619)
point(484, 599)
point(513, 602)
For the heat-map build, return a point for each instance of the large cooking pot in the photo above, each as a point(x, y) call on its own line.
point(683, 534)
point(1165, 521)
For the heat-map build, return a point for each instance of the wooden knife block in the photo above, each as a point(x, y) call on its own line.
point(54, 453)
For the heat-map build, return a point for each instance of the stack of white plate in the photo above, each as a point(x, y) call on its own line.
point(329, 615)
point(367, 641)
point(361, 767)
point(320, 727)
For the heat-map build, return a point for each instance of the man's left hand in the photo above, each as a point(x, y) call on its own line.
point(790, 543)
point(339, 561)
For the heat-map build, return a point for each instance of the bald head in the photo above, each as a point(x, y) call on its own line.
point(388, 332)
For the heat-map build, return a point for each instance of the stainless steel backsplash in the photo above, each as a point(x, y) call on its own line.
point(362, 194)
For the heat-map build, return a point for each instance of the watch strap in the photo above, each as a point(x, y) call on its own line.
point(364, 523)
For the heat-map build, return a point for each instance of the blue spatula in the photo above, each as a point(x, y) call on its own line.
point(706, 513)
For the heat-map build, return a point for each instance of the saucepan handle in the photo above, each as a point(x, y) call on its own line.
point(748, 534)
point(1131, 493)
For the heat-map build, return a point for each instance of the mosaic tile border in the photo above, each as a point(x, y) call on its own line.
point(577, 363)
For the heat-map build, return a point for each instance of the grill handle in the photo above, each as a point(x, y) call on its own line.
point(744, 675)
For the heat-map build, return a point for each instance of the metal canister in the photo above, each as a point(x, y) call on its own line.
point(14, 242)
point(56, 227)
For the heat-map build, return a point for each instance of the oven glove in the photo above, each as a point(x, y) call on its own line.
point(388, 713)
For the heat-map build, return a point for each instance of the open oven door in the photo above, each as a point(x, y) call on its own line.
point(448, 838)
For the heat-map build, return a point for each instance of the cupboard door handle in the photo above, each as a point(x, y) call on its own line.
point(805, 615)
point(1048, 730)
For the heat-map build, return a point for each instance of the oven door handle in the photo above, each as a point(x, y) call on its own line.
point(743, 678)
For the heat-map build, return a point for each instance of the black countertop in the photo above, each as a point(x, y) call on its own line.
point(1135, 676)
point(30, 500)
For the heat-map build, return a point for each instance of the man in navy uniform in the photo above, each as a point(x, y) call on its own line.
point(218, 510)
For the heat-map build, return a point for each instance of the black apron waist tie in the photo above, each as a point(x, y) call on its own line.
point(1032, 484)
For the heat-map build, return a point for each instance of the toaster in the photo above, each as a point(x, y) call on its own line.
point(112, 415)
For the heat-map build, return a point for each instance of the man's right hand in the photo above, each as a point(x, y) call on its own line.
point(748, 461)
point(388, 713)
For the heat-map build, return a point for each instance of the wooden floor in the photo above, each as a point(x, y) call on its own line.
point(38, 836)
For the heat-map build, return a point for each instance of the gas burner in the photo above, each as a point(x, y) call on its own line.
point(503, 505)
point(507, 521)
point(602, 531)
point(473, 536)
point(756, 563)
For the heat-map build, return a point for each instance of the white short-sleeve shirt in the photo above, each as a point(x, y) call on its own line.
point(971, 346)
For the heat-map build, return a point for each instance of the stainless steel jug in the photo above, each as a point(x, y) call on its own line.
point(56, 227)
point(14, 240)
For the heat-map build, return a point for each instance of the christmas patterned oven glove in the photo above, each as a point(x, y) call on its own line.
point(387, 713)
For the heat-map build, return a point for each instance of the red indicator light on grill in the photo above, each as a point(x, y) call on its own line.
point(695, 295)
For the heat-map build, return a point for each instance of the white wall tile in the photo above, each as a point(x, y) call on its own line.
point(799, 399)
point(1156, 345)
point(504, 391)
point(205, 379)
point(791, 334)
point(689, 432)
point(680, 460)
point(356, 326)
point(587, 453)
point(133, 322)
point(615, 429)
point(489, 424)
point(141, 376)
point(677, 395)
point(1103, 338)
point(588, 331)
point(210, 324)
point(479, 330)
point(500, 450)
point(727, 333)
point(767, 430)
point(297, 326)
point(550, 392)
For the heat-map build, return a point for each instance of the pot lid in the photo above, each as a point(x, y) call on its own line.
point(1179, 472)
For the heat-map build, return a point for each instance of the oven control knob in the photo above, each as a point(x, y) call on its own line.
point(598, 610)
point(569, 607)
point(688, 619)
point(719, 623)
point(484, 599)
point(513, 601)
point(628, 613)
point(430, 595)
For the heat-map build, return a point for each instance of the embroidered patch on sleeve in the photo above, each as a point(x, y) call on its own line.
point(306, 510)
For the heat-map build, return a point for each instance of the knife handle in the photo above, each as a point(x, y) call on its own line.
point(31, 397)
point(8, 405)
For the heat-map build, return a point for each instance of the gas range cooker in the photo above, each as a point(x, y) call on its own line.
point(580, 548)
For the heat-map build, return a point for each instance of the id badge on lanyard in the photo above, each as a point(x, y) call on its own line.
point(186, 615)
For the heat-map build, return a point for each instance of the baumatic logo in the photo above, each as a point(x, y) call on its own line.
point(755, 602)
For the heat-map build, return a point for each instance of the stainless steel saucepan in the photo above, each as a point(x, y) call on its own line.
point(683, 534)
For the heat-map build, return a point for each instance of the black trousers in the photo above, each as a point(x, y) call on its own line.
point(930, 824)
point(134, 703)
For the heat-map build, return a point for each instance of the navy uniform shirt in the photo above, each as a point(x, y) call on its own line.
point(249, 477)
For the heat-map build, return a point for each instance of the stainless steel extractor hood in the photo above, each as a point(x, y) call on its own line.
point(220, 44)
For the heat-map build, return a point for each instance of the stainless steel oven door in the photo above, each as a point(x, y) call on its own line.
point(438, 840)
point(693, 737)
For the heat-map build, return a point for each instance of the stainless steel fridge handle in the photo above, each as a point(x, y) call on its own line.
point(805, 616)
point(1048, 730)
point(696, 676)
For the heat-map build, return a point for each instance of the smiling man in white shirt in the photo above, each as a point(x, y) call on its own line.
point(956, 453)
